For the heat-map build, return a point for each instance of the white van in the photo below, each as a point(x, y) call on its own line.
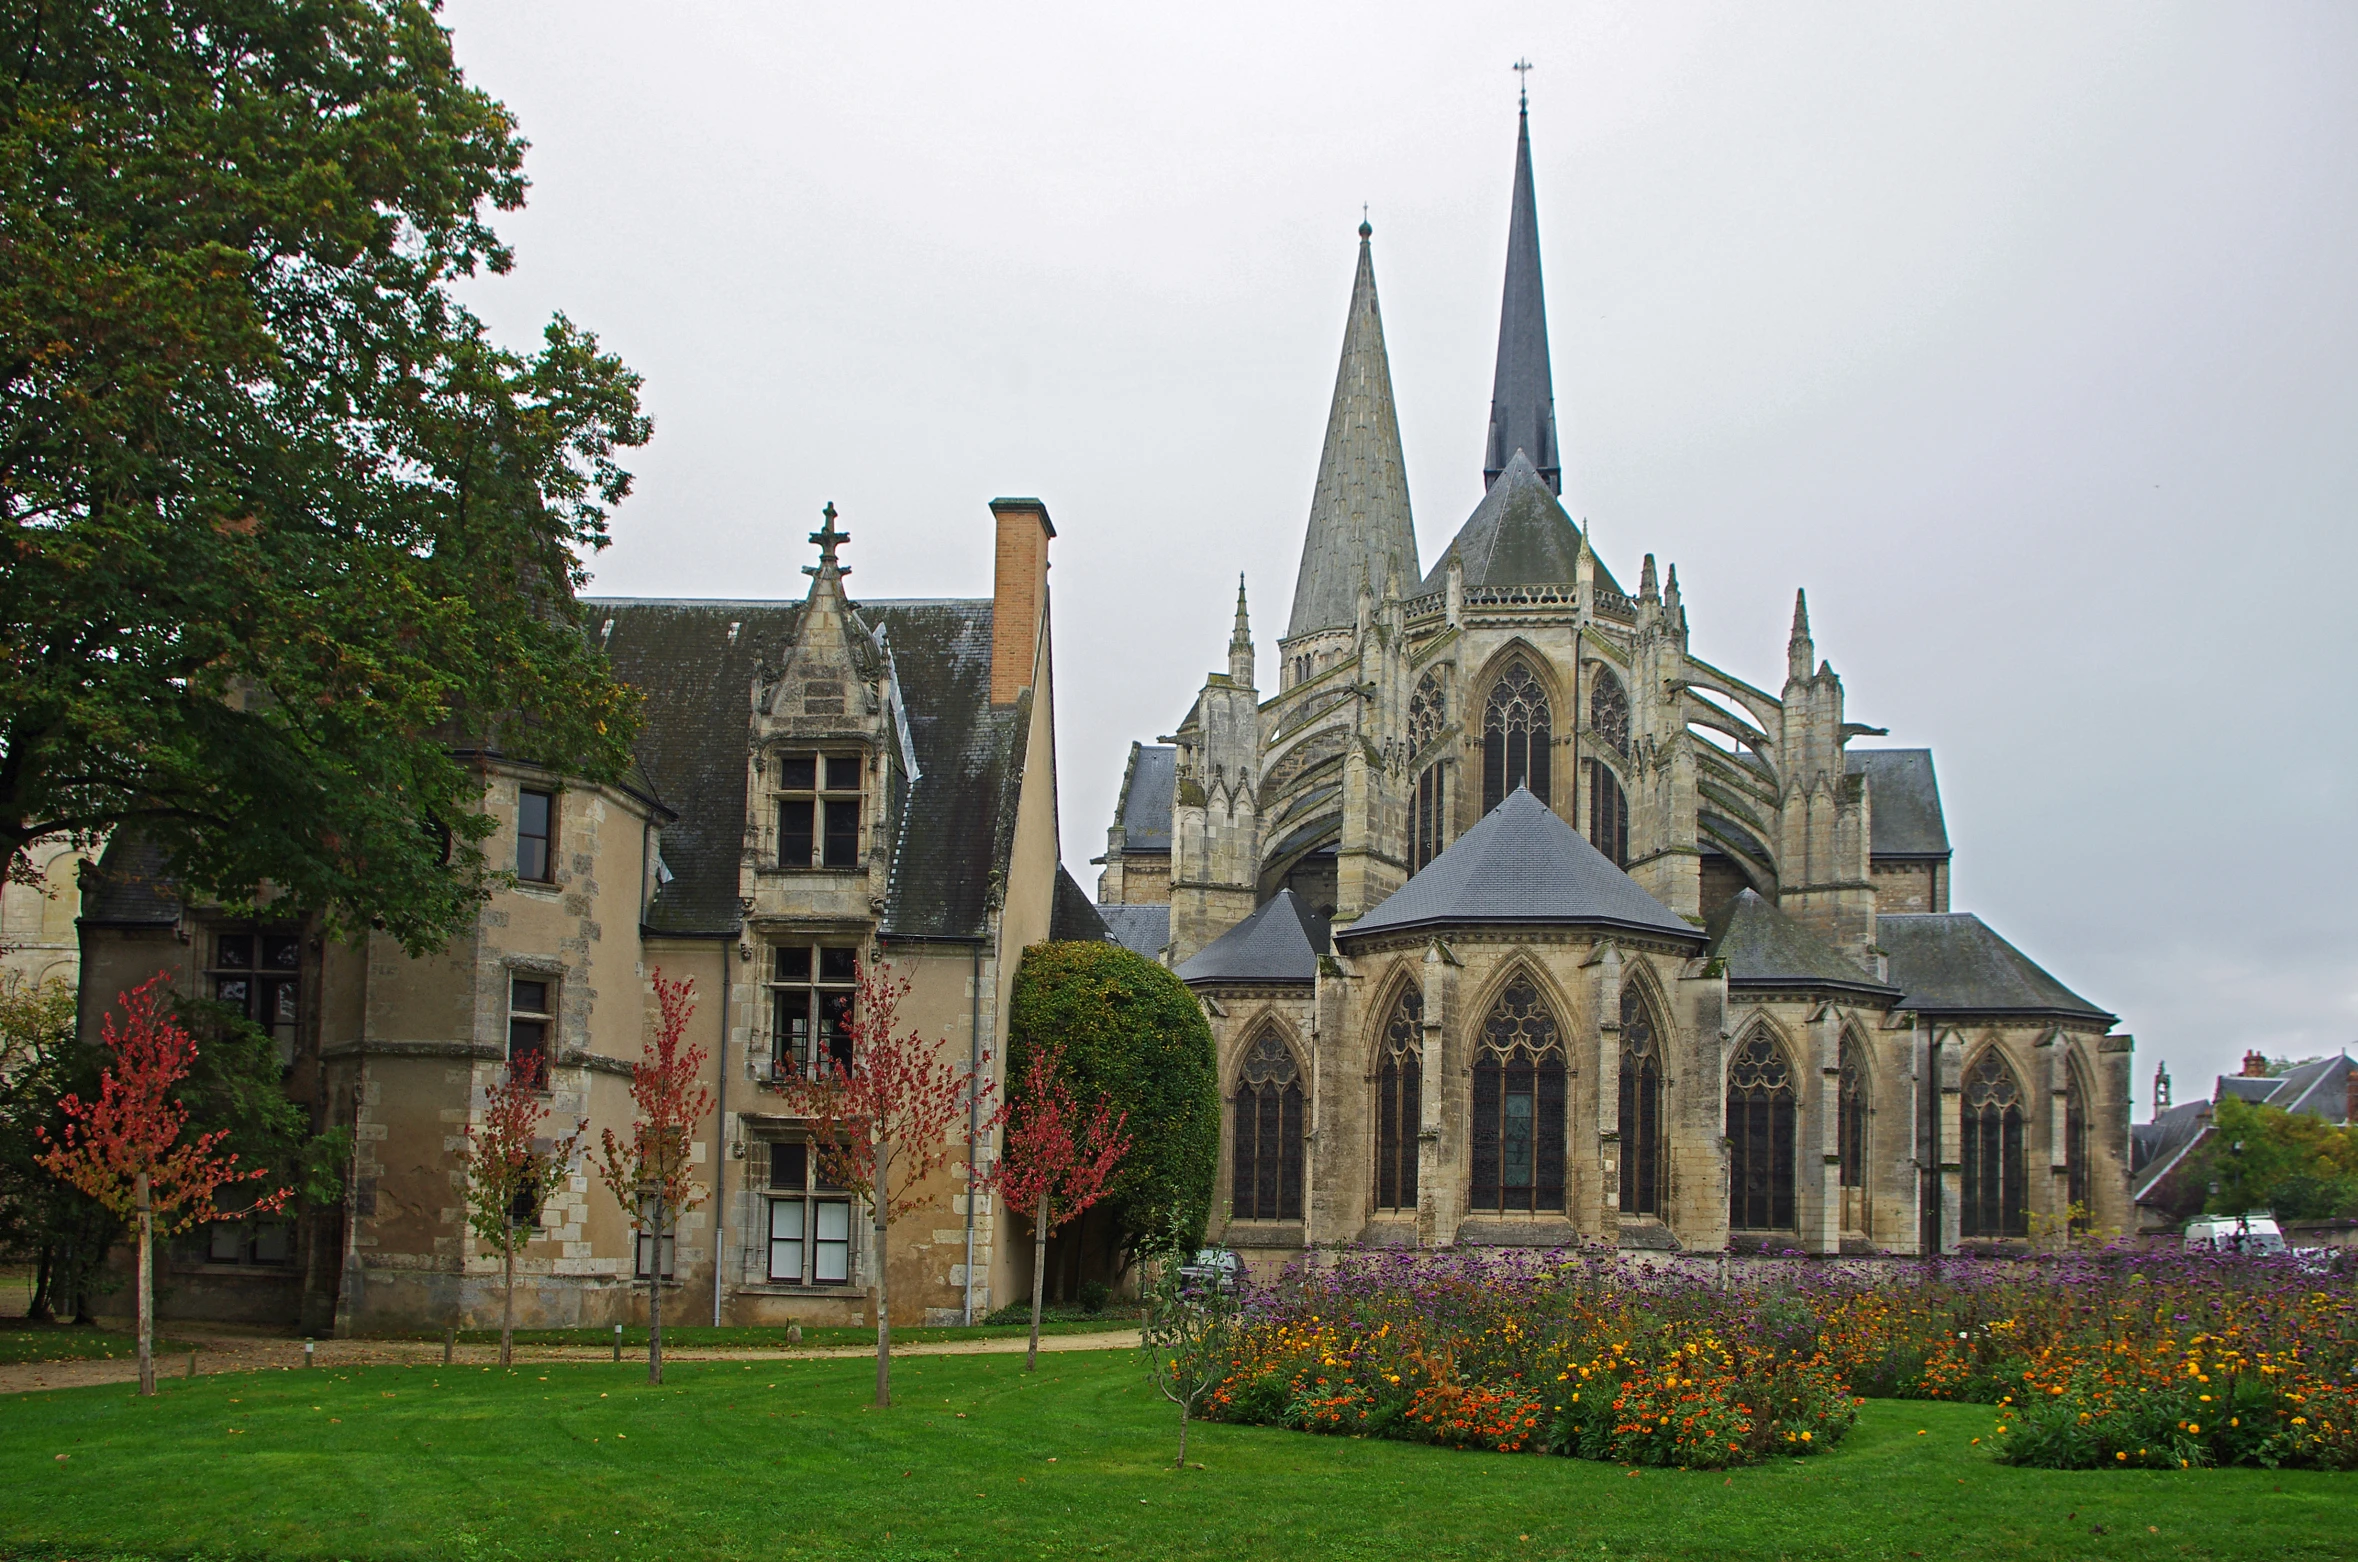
point(2234, 1234)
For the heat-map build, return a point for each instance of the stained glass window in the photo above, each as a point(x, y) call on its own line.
point(1268, 1149)
point(1993, 1161)
point(1517, 727)
point(1608, 711)
point(1518, 1106)
point(1760, 1127)
point(1399, 1103)
point(1641, 1108)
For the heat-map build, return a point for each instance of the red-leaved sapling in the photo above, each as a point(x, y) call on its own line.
point(511, 1170)
point(1055, 1163)
point(649, 1174)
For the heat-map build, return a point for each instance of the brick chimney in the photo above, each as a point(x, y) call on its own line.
point(1019, 593)
point(2254, 1065)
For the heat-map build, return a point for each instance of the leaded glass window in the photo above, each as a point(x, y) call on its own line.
point(2075, 1145)
point(1608, 814)
point(1426, 810)
point(1761, 1110)
point(1517, 727)
point(1268, 1151)
point(1519, 1106)
point(1608, 712)
point(1851, 1119)
point(1399, 1104)
point(1641, 1107)
point(1994, 1164)
point(1427, 711)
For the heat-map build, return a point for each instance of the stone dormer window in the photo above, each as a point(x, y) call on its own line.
point(820, 804)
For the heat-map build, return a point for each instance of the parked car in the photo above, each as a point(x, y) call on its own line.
point(2255, 1234)
point(1220, 1268)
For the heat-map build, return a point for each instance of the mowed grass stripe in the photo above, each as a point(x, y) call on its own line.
point(581, 1461)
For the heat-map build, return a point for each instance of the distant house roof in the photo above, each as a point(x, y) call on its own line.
point(1140, 929)
point(1279, 942)
point(1763, 947)
point(126, 886)
point(1908, 820)
point(696, 661)
point(1073, 918)
point(1148, 792)
point(1953, 963)
point(1518, 535)
point(2156, 1148)
point(1521, 864)
point(2320, 1087)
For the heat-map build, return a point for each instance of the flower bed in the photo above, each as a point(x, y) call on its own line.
point(2109, 1360)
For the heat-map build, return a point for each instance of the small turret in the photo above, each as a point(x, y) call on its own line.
point(1240, 642)
point(1648, 590)
point(1799, 650)
point(2161, 1088)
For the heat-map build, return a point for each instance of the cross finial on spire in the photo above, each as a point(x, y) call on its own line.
point(1244, 627)
point(828, 540)
point(1523, 85)
point(1366, 229)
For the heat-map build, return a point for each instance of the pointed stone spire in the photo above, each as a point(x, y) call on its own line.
point(1522, 393)
point(1240, 643)
point(1648, 590)
point(1670, 590)
point(1359, 521)
point(1799, 649)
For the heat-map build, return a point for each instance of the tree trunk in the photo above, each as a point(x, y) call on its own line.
point(1182, 1461)
point(655, 1301)
point(1040, 1218)
point(507, 1301)
point(147, 1295)
point(879, 1199)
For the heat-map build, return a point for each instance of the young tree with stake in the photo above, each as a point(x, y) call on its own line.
point(649, 1175)
point(882, 1125)
point(508, 1177)
point(1190, 1331)
point(124, 1149)
point(1056, 1162)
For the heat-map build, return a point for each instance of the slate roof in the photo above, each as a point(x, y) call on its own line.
point(1518, 535)
point(1908, 820)
point(1148, 792)
point(1763, 947)
point(1142, 930)
point(1279, 942)
point(126, 887)
point(1522, 391)
point(1073, 918)
point(2158, 1146)
point(2321, 1088)
point(1522, 864)
point(698, 680)
point(1953, 963)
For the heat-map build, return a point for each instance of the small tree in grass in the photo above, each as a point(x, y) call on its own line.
point(882, 1124)
point(508, 1175)
point(124, 1149)
point(649, 1173)
point(1055, 1163)
point(1190, 1333)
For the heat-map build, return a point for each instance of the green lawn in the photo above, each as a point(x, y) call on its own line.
point(67, 1342)
point(706, 1337)
point(783, 1459)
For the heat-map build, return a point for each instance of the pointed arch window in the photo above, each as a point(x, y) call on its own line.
point(1519, 1106)
point(1608, 814)
point(2075, 1146)
point(1762, 1106)
point(1268, 1150)
point(1428, 711)
point(1609, 712)
point(1994, 1164)
point(1399, 1101)
point(1427, 808)
point(1517, 729)
point(1641, 1108)
point(1851, 1118)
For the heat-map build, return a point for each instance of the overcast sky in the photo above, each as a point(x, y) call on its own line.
point(2024, 337)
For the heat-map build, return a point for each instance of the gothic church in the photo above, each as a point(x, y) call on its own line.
point(1520, 924)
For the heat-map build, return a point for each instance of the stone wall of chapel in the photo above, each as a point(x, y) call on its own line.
point(1238, 1016)
point(1909, 886)
point(2041, 1056)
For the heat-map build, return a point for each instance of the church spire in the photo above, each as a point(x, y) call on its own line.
point(1240, 640)
point(1522, 393)
point(1360, 528)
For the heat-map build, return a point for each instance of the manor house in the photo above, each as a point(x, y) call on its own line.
point(1519, 923)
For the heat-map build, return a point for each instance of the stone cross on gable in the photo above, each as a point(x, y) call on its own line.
point(828, 540)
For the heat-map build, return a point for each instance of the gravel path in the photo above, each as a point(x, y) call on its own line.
point(255, 1353)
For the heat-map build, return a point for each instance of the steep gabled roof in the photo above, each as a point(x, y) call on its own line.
point(127, 886)
point(1763, 947)
point(2320, 1087)
point(1522, 865)
point(1518, 535)
point(1141, 929)
point(1522, 388)
point(1072, 917)
point(1908, 821)
point(1148, 792)
point(1360, 532)
point(1953, 963)
point(1279, 942)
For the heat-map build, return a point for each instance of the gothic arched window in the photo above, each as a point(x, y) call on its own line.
point(1761, 1109)
point(2075, 1145)
point(1994, 1163)
point(1608, 814)
point(1428, 711)
point(1518, 1106)
point(1399, 1103)
point(1268, 1151)
point(1427, 808)
point(1609, 712)
point(1851, 1116)
point(1641, 1107)
point(1517, 727)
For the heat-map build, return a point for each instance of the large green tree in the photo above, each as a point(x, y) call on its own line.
point(290, 542)
point(2295, 1164)
point(1131, 1033)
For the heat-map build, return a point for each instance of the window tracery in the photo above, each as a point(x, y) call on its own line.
point(1641, 1107)
point(1518, 726)
point(1518, 1139)
point(1399, 1101)
point(1609, 712)
point(2075, 1145)
point(1851, 1123)
point(1761, 1106)
point(1608, 814)
point(1994, 1165)
point(1267, 1162)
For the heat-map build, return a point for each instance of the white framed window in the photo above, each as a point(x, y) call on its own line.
point(644, 1248)
point(532, 1021)
point(810, 1222)
point(819, 806)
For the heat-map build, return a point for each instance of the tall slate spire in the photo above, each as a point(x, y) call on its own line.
point(1522, 394)
point(1360, 531)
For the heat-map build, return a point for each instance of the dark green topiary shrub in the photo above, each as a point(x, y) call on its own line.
point(1129, 1029)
